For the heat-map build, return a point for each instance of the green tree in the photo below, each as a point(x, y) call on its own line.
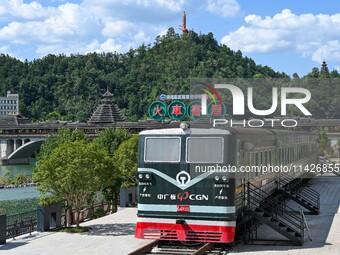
point(73, 171)
point(109, 140)
point(64, 135)
point(53, 116)
point(126, 158)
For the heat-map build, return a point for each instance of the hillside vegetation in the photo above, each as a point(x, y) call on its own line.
point(69, 87)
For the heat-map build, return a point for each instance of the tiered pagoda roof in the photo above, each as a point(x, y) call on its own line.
point(107, 112)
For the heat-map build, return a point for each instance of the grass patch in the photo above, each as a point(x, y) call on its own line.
point(74, 229)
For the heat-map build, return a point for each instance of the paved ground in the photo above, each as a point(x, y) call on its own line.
point(325, 227)
point(112, 234)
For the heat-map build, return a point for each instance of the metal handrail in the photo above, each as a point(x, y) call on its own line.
point(21, 223)
point(309, 194)
point(292, 220)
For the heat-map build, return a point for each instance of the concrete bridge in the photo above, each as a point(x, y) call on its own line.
point(20, 138)
point(18, 150)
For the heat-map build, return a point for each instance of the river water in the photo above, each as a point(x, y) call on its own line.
point(16, 200)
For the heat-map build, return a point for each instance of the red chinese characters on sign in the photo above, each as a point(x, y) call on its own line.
point(196, 110)
point(176, 110)
point(157, 111)
point(216, 110)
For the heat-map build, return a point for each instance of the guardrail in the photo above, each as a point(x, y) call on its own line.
point(21, 223)
point(87, 213)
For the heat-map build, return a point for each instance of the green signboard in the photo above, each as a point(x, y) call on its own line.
point(216, 110)
point(177, 110)
point(157, 110)
point(195, 110)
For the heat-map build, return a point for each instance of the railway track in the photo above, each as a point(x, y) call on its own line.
point(178, 248)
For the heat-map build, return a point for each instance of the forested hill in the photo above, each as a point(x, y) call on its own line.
point(71, 86)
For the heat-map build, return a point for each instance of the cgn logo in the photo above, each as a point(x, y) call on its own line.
point(185, 196)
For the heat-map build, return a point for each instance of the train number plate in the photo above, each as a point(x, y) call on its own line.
point(183, 208)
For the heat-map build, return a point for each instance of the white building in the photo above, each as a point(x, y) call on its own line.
point(9, 105)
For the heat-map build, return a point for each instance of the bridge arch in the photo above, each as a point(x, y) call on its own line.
point(26, 150)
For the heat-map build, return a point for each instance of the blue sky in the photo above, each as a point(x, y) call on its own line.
point(289, 36)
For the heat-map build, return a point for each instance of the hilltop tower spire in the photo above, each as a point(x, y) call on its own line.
point(183, 27)
point(324, 69)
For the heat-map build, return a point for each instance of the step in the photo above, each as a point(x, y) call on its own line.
point(281, 225)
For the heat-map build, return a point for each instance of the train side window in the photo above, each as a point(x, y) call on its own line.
point(205, 149)
point(162, 149)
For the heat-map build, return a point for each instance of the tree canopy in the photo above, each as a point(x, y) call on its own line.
point(126, 158)
point(73, 171)
point(110, 140)
point(71, 86)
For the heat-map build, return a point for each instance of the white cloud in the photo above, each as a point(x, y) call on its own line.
point(110, 45)
point(70, 22)
point(117, 28)
point(26, 11)
point(315, 36)
point(40, 27)
point(330, 51)
point(137, 11)
point(224, 8)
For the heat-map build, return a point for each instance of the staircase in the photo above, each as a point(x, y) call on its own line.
point(275, 214)
point(296, 190)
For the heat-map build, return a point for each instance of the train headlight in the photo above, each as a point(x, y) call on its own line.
point(221, 178)
point(145, 177)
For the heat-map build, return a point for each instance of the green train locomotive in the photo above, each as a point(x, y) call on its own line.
point(191, 180)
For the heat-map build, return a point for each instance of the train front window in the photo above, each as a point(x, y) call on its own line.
point(162, 149)
point(205, 150)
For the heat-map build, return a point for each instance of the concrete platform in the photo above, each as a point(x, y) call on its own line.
point(112, 234)
point(324, 228)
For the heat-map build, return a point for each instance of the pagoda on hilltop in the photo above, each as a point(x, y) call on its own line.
point(107, 112)
point(324, 69)
point(183, 27)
